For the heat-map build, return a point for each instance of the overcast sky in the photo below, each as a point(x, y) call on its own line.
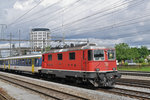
point(105, 22)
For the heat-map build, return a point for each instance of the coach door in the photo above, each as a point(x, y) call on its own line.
point(84, 67)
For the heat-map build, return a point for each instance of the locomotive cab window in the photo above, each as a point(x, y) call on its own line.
point(49, 57)
point(72, 56)
point(98, 55)
point(111, 54)
point(59, 56)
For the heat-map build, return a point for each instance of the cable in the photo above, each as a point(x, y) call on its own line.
point(72, 17)
point(53, 14)
point(120, 24)
point(100, 16)
point(108, 6)
point(25, 13)
point(35, 19)
point(108, 14)
point(81, 19)
point(41, 10)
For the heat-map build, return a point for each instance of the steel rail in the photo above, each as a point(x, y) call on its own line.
point(49, 92)
point(135, 81)
point(135, 73)
point(133, 85)
point(129, 93)
point(3, 97)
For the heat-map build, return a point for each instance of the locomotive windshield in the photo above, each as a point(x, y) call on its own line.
point(111, 54)
point(98, 55)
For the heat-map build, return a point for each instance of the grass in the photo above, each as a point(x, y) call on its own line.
point(127, 68)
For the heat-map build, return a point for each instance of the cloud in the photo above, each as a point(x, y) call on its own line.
point(24, 4)
point(110, 13)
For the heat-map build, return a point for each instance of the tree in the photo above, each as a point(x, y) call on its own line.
point(134, 53)
point(122, 51)
point(143, 52)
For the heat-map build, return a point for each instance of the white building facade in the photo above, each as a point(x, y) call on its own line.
point(39, 38)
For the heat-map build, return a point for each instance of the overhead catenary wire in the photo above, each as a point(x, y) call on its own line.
point(97, 19)
point(107, 26)
point(54, 13)
point(40, 17)
point(99, 12)
point(26, 13)
point(116, 25)
point(71, 16)
point(58, 12)
point(40, 11)
point(103, 9)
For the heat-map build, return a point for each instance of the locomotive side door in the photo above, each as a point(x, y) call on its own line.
point(84, 62)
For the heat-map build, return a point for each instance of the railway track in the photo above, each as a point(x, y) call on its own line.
point(3, 97)
point(134, 83)
point(135, 73)
point(46, 91)
point(128, 93)
point(59, 96)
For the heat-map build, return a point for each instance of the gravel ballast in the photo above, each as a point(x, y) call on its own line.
point(90, 94)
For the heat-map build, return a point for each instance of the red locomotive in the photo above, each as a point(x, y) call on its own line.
point(93, 64)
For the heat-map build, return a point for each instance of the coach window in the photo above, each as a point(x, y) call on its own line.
point(1, 62)
point(99, 55)
point(26, 63)
point(30, 62)
point(49, 57)
point(14, 61)
point(72, 56)
point(17, 62)
point(90, 55)
point(36, 62)
point(59, 56)
point(6, 62)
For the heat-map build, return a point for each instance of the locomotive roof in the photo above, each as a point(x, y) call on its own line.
point(78, 48)
point(24, 56)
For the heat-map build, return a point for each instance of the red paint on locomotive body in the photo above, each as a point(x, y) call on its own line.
point(80, 63)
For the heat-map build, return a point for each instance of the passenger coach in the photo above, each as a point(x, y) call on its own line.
point(27, 63)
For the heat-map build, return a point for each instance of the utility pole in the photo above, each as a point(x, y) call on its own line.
point(43, 44)
point(0, 54)
point(2, 29)
point(10, 43)
point(63, 26)
point(19, 42)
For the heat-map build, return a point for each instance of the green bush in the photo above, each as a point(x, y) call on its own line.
point(125, 63)
point(136, 61)
point(141, 60)
point(144, 63)
point(148, 60)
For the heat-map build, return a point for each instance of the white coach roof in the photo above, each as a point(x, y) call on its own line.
point(24, 56)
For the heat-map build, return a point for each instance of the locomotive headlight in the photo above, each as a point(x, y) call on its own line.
point(97, 69)
point(114, 69)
